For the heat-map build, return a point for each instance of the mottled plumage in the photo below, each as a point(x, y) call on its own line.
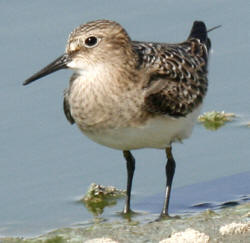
point(178, 81)
point(128, 94)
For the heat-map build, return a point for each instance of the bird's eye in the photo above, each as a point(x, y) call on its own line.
point(91, 41)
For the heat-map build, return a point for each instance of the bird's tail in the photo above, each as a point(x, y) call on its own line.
point(199, 31)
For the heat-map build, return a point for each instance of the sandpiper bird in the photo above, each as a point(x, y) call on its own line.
point(127, 94)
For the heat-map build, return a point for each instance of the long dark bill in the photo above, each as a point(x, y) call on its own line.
point(59, 63)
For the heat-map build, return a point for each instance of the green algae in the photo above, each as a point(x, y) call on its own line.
point(56, 239)
point(98, 197)
point(213, 120)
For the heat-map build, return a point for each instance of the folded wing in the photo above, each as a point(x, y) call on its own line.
point(178, 73)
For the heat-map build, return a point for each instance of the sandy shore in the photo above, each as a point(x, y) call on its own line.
point(227, 225)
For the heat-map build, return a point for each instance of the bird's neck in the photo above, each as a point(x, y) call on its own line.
point(98, 95)
point(105, 77)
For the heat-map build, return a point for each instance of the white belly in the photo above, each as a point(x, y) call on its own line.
point(158, 132)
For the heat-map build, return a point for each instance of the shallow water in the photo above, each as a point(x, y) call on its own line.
point(47, 165)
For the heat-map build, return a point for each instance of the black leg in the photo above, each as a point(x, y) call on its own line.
point(130, 170)
point(170, 169)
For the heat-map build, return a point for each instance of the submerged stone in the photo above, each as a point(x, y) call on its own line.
point(187, 236)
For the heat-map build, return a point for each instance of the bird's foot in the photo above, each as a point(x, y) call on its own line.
point(128, 214)
point(167, 217)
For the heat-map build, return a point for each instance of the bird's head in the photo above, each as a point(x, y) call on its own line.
point(94, 43)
